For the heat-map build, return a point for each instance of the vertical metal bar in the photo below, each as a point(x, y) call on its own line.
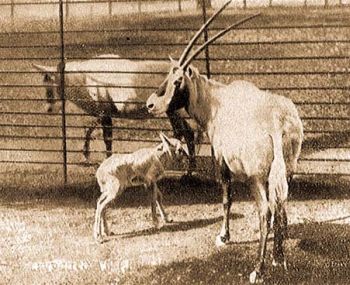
point(109, 7)
point(139, 5)
point(61, 68)
point(180, 8)
point(67, 9)
point(12, 9)
point(207, 67)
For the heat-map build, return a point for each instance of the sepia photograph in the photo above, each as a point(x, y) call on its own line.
point(174, 142)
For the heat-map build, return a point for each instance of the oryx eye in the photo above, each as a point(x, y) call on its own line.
point(177, 83)
point(160, 93)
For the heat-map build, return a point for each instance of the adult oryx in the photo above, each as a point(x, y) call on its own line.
point(256, 137)
point(93, 85)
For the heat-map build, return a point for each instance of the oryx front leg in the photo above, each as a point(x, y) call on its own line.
point(110, 189)
point(224, 236)
point(159, 201)
point(88, 137)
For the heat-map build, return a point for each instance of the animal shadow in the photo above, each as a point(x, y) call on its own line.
point(178, 226)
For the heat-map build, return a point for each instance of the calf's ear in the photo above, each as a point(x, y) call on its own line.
point(165, 142)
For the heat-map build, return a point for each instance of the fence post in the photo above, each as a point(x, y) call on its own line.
point(61, 70)
point(207, 67)
point(109, 7)
point(67, 8)
point(139, 5)
point(244, 4)
point(179, 3)
point(325, 3)
point(12, 10)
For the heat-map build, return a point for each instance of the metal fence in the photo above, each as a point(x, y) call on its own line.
point(305, 60)
point(13, 9)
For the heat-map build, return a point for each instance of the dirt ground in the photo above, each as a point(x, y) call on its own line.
point(47, 236)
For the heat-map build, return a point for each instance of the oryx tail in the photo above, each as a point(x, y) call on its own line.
point(277, 180)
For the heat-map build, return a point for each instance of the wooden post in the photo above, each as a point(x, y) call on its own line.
point(244, 4)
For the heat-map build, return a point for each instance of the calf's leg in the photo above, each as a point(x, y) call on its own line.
point(159, 202)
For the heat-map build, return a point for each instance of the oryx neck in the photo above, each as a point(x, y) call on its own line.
point(202, 103)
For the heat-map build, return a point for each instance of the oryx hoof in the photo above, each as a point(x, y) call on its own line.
point(99, 238)
point(169, 221)
point(222, 240)
point(255, 277)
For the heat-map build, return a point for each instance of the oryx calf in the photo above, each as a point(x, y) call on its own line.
point(142, 167)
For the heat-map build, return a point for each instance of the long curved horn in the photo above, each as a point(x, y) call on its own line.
point(196, 36)
point(218, 35)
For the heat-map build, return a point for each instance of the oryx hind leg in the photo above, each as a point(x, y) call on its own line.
point(280, 234)
point(110, 188)
point(88, 138)
point(106, 122)
point(259, 190)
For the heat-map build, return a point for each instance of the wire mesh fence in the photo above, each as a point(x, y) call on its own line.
point(284, 51)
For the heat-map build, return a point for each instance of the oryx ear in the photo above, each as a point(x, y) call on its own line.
point(185, 149)
point(44, 69)
point(165, 138)
point(190, 71)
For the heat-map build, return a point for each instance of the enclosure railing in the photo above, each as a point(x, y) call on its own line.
point(306, 62)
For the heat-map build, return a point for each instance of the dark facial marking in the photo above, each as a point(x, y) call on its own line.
point(179, 99)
